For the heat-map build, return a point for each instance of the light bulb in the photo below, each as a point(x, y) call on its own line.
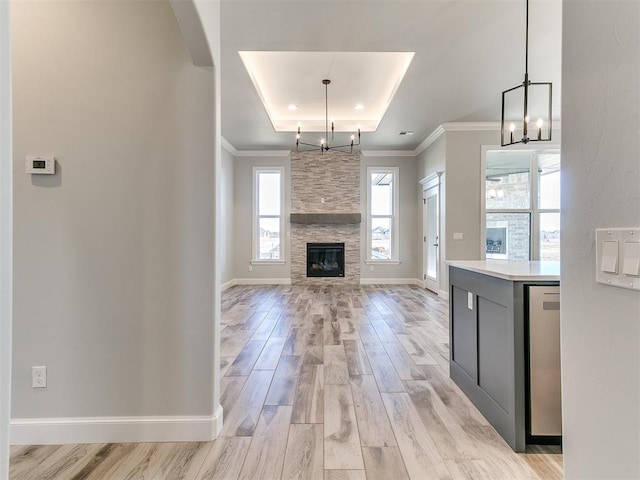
point(352, 137)
point(526, 119)
point(322, 141)
point(512, 127)
point(539, 123)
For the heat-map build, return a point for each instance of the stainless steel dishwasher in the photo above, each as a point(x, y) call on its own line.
point(545, 398)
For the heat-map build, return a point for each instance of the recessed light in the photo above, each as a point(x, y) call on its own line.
point(406, 132)
point(292, 107)
point(359, 106)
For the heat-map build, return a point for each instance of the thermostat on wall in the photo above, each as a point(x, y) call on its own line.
point(40, 165)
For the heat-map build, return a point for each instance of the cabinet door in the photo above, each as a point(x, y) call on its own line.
point(465, 333)
point(495, 352)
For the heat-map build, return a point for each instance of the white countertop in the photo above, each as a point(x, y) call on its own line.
point(515, 271)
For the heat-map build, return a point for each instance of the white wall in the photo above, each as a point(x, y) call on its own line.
point(118, 244)
point(6, 236)
point(600, 188)
point(227, 220)
point(243, 212)
point(409, 210)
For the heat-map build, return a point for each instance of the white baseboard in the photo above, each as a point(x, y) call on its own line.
point(54, 431)
point(227, 285)
point(261, 281)
point(218, 422)
point(443, 294)
point(390, 281)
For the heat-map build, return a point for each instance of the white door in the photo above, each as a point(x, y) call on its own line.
point(431, 238)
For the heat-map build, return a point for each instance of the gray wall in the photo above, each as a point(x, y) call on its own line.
point(410, 257)
point(430, 161)
point(242, 199)
point(6, 236)
point(600, 188)
point(113, 280)
point(226, 251)
point(409, 212)
point(464, 180)
point(459, 154)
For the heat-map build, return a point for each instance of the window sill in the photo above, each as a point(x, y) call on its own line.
point(382, 262)
point(267, 262)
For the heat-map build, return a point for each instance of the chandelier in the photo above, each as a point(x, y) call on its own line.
point(529, 100)
point(325, 142)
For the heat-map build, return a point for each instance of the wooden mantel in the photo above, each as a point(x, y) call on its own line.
point(326, 218)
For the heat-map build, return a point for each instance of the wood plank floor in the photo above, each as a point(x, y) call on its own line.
point(321, 383)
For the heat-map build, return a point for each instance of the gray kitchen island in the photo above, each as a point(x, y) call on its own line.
point(489, 342)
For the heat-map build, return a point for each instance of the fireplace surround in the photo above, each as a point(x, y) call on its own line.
point(325, 208)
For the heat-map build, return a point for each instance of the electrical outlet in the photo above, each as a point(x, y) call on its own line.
point(251, 268)
point(39, 377)
point(371, 268)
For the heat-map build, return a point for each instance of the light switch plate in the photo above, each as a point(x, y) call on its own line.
point(631, 258)
point(609, 260)
point(618, 257)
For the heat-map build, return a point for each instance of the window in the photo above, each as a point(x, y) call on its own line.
point(268, 218)
point(382, 195)
point(522, 210)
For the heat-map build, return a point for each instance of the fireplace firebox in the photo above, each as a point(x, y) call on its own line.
point(325, 259)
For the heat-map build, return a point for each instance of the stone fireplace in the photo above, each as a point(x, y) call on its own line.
point(325, 208)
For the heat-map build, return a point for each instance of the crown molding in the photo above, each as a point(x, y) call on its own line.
point(252, 153)
point(388, 153)
point(471, 126)
point(426, 143)
point(263, 153)
point(228, 147)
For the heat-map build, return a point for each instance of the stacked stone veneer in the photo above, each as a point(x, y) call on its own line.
point(334, 177)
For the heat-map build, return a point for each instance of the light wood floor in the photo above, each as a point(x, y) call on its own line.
point(321, 383)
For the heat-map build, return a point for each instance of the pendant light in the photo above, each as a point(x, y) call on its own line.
point(324, 144)
point(525, 102)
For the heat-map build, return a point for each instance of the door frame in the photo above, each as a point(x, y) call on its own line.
point(431, 181)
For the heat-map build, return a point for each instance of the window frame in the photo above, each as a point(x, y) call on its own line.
point(534, 210)
point(255, 217)
point(395, 234)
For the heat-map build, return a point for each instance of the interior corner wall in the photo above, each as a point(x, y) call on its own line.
point(113, 280)
point(226, 251)
point(600, 188)
point(408, 211)
point(243, 212)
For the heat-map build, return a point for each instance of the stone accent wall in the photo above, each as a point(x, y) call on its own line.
point(334, 177)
